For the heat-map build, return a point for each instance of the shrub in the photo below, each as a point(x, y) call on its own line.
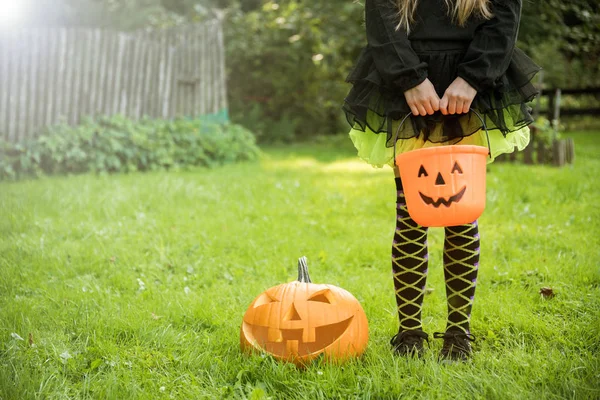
point(118, 144)
point(286, 64)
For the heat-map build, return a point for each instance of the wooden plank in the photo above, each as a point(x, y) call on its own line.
point(69, 106)
point(177, 71)
point(163, 51)
point(34, 96)
point(188, 87)
point(169, 81)
point(61, 82)
point(147, 80)
point(79, 42)
point(52, 76)
point(187, 77)
point(570, 151)
point(36, 108)
point(119, 73)
point(94, 72)
point(161, 43)
point(87, 53)
point(214, 73)
point(202, 87)
point(195, 71)
point(223, 103)
point(153, 82)
point(192, 49)
point(198, 70)
point(13, 89)
point(41, 76)
point(5, 61)
point(136, 49)
point(22, 82)
point(586, 90)
point(558, 153)
point(126, 77)
point(26, 85)
point(101, 83)
point(142, 49)
point(107, 89)
point(156, 82)
point(556, 114)
point(580, 111)
point(173, 54)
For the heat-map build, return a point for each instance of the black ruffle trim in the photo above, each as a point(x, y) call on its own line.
point(372, 104)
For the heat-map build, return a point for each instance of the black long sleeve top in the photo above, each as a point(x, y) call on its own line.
point(489, 44)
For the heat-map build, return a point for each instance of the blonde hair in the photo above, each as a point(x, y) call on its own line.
point(459, 10)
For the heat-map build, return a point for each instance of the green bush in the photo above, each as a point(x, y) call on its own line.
point(118, 144)
point(286, 63)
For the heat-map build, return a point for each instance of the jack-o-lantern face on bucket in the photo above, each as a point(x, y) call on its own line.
point(444, 185)
point(299, 321)
point(440, 181)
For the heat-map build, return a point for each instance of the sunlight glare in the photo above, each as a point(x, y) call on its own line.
point(12, 12)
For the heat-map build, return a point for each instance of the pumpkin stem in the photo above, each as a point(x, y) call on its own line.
point(303, 270)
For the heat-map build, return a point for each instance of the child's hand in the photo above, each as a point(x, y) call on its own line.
point(422, 99)
point(458, 97)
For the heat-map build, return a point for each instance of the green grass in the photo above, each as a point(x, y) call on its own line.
point(134, 286)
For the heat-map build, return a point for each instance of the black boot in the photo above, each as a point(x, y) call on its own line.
point(409, 343)
point(457, 345)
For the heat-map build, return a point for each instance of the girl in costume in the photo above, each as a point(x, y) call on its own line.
point(438, 59)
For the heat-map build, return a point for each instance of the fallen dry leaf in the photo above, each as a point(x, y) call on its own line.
point(547, 292)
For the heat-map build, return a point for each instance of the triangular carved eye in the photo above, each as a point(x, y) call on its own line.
point(422, 172)
point(456, 168)
point(264, 299)
point(292, 314)
point(322, 297)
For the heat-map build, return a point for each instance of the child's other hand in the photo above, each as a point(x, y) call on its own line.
point(422, 99)
point(458, 97)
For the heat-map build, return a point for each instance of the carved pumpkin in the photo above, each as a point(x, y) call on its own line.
point(300, 320)
point(445, 185)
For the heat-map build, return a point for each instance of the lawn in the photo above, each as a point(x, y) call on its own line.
point(134, 286)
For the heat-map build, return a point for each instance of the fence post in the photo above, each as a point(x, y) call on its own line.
point(570, 151)
point(558, 146)
point(556, 113)
point(558, 152)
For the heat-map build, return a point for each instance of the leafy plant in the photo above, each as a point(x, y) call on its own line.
point(118, 144)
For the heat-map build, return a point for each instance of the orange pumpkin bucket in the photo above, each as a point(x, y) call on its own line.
point(444, 185)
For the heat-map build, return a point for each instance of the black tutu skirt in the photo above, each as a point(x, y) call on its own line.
point(373, 107)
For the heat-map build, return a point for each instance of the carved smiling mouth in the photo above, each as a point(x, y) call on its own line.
point(456, 198)
point(290, 342)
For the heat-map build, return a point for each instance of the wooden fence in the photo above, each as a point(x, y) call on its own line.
point(554, 98)
point(50, 75)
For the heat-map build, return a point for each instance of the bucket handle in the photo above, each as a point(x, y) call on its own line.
point(470, 110)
